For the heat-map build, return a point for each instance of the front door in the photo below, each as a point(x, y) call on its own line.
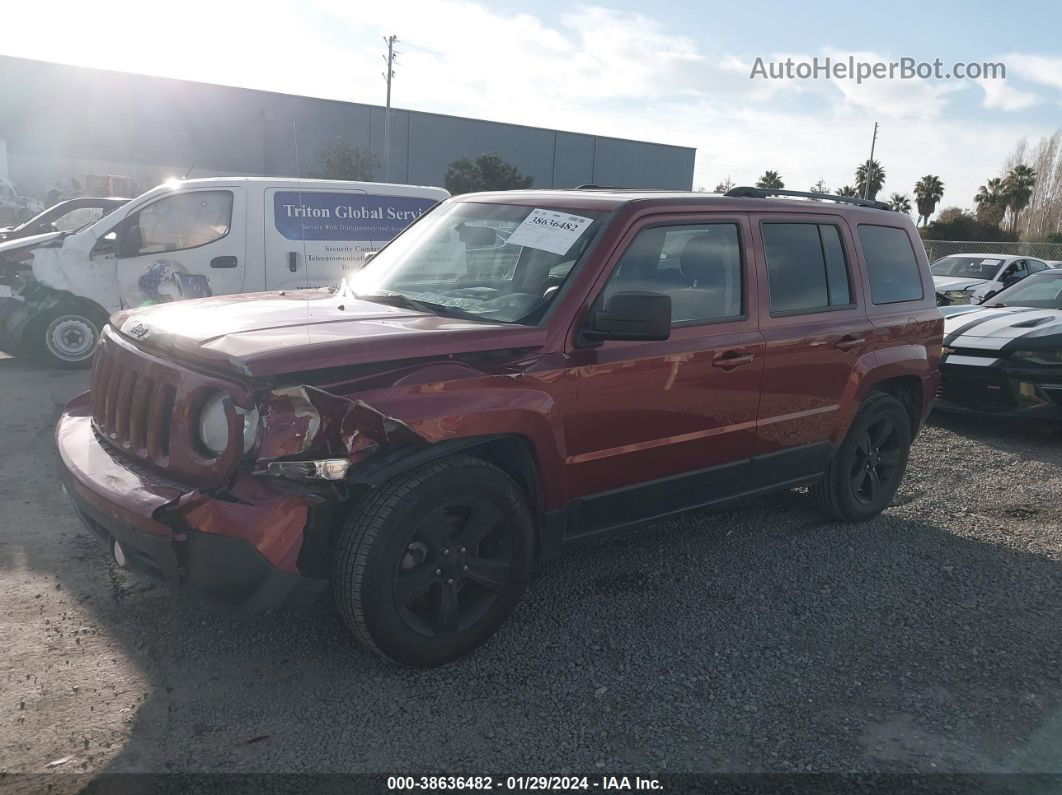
point(671, 422)
point(186, 244)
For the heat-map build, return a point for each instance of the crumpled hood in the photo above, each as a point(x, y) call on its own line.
point(942, 283)
point(9, 246)
point(264, 334)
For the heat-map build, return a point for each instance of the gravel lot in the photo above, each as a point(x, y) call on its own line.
point(757, 638)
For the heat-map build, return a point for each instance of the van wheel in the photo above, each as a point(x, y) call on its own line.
point(864, 474)
point(429, 566)
point(67, 338)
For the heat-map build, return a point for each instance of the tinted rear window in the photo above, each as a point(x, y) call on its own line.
point(891, 264)
point(806, 267)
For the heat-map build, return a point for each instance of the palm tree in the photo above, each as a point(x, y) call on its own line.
point(928, 191)
point(1017, 191)
point(991, 202)
point(870, 176)
point(847, 190)
point(770, 179)
point(819, 187)
point(900, 203)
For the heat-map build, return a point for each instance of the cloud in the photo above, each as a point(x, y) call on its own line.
point(1000, 96)
point(1043, 69)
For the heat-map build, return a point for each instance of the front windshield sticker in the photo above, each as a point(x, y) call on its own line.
point(990, 261)
point(549, 230)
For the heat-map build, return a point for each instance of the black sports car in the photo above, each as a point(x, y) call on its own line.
point(1005, 357)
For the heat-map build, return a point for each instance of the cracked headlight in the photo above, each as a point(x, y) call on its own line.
point(213, 427)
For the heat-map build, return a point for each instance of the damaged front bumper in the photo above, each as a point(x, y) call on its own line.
point(237, 554)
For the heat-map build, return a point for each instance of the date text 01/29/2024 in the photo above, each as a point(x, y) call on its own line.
point(521, 783)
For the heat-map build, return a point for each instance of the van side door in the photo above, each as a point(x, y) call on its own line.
point(190, 243)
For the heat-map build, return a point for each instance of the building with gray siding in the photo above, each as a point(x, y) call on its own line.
point(124, 133)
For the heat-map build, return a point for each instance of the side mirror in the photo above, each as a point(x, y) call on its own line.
point(631, 316)
point(1013, 279)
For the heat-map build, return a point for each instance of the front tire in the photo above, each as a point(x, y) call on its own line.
point(429, 566)
point(867, 469)
point(67, 338)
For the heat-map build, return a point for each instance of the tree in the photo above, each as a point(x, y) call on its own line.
point(956, 224)
point(486, 172)
point(725, 185)
point(928, 192)
point(819, 187)
point(340, 160)
point(847, 190)
point(770, 179)
point(991, 202)
point(870, 177)
point(1017, 190)
point(900, 203)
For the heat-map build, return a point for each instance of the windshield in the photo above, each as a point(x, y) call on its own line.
point(1041, 290)
point(967, 267)
point(498, 262)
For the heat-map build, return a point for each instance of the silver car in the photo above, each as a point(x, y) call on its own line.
point(973, 278)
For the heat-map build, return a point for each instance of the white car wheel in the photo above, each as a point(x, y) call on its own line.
point(70, 339)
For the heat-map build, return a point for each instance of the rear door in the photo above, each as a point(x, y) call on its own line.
point(815, 328)
point(187, 244)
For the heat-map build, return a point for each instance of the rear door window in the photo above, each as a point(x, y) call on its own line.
point(891, 264)
point(807, 269)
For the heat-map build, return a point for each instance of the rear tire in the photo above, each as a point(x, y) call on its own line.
point(863, 476)
point(430, 565)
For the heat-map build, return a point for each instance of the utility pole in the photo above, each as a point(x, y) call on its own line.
point(388, 76)
point(866, 177)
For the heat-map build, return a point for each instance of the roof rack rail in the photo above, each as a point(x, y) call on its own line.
point(763, 193)
point(599, 187)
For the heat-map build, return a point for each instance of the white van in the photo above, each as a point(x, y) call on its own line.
point(191, 239)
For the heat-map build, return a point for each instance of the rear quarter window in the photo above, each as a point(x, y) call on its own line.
point(891, 264)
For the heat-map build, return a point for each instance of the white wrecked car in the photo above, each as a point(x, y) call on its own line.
point(192, 239)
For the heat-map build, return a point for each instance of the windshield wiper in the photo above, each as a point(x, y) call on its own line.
point(432, 308)
point(397, 299)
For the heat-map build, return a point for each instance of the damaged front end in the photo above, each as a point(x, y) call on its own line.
point(21, 297)
point(308, 434)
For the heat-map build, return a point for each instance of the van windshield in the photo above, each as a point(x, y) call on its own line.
point(497, 262)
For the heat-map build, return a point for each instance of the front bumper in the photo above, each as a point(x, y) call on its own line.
point(1000, 391)
point(237, 555)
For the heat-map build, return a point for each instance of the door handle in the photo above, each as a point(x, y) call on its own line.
point(223, 262)
point(850, 341)
point(732, 359)
point(293, 262)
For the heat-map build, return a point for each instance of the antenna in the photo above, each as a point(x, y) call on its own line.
point(189, 171)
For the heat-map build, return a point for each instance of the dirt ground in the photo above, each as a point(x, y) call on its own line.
point(759, 638)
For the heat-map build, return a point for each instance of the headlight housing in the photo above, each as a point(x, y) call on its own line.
point(958, 296)
point(213, 427)
point(1044, 356)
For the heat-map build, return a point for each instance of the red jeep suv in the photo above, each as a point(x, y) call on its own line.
point(514, 373)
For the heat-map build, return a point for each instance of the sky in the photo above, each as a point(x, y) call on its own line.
point(672, 72)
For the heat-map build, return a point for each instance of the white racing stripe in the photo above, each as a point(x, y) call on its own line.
point(970, 361)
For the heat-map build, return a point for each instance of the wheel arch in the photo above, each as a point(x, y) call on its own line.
point(57, 300)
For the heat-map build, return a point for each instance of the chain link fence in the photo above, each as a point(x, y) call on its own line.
point(935, 249)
